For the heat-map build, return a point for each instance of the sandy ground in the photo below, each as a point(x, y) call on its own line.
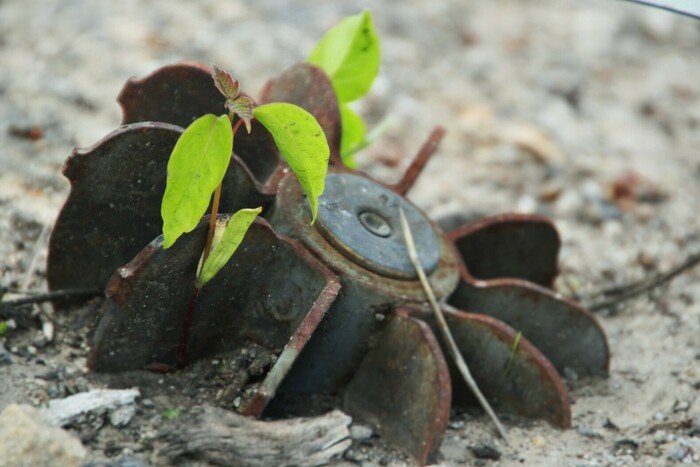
point(547, 103)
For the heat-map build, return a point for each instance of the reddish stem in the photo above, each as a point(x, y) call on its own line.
point(186, 324)
point(215, 206)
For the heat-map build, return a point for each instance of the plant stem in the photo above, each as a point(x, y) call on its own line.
point(186, 324)
point(212, 222)
point(215, 204)
point(445, 330)
point(189, 314)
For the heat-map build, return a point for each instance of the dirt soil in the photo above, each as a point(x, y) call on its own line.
point(588, 112)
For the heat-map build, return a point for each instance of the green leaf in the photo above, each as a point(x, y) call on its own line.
point(227, 237)
point(4, 327)
point(196, 167)
point(353, 134)
point(302, 143)
point(349, 54)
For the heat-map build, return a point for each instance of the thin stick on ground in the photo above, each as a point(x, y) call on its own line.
point(36, 252)
point(622, 294)
point(42, 297)
point(445, 330)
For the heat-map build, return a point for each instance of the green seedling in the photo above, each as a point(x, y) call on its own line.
point(349, 53)
point(200, 159)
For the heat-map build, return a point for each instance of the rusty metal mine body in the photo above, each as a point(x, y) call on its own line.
point(339, 301)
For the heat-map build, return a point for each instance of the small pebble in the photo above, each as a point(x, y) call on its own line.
point(570, 375)
point(679, 452)
point(539, 441)
point(457, 425)
point(681, 406)
point(360, 432)
point(587, 432)
point(5, 357)
point(485, 451)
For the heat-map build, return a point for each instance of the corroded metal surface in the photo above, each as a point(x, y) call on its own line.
point(343, 337)
point(519, 246)
point(402, 388)
point(113, 209)
point(310, 88)
point(567, 334)
point(149, 297)
point(361, 219)
point(176, 94)
point(519, 381)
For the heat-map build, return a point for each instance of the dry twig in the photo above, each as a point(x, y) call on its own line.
point(624, 293)
point(445, 330)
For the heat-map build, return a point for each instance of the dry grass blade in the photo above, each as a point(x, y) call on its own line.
point(445, 330)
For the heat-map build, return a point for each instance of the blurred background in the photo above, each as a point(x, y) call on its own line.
point(588, 112)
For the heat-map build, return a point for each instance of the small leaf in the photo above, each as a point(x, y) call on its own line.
point(513, 349)
point(243, 107)
point(229, 237)
point(195, 168)
point(224, 82)
point(172, 413)
point(302, 143)
point(353, 134)
point(349, 54)
point(3, 327)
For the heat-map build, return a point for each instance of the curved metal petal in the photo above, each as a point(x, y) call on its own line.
point(113, 209)
point(310, 88)
point(402, 388)
point(568, 335)
point(519, 381)
point(272, 292)
point(520, 246)
point(176, 94)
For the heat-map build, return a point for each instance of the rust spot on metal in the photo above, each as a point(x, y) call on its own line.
point(118, 287)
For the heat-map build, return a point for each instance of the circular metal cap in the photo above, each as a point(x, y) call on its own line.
point(361, 219)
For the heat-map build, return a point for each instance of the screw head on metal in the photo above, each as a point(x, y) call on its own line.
point(375, 223)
